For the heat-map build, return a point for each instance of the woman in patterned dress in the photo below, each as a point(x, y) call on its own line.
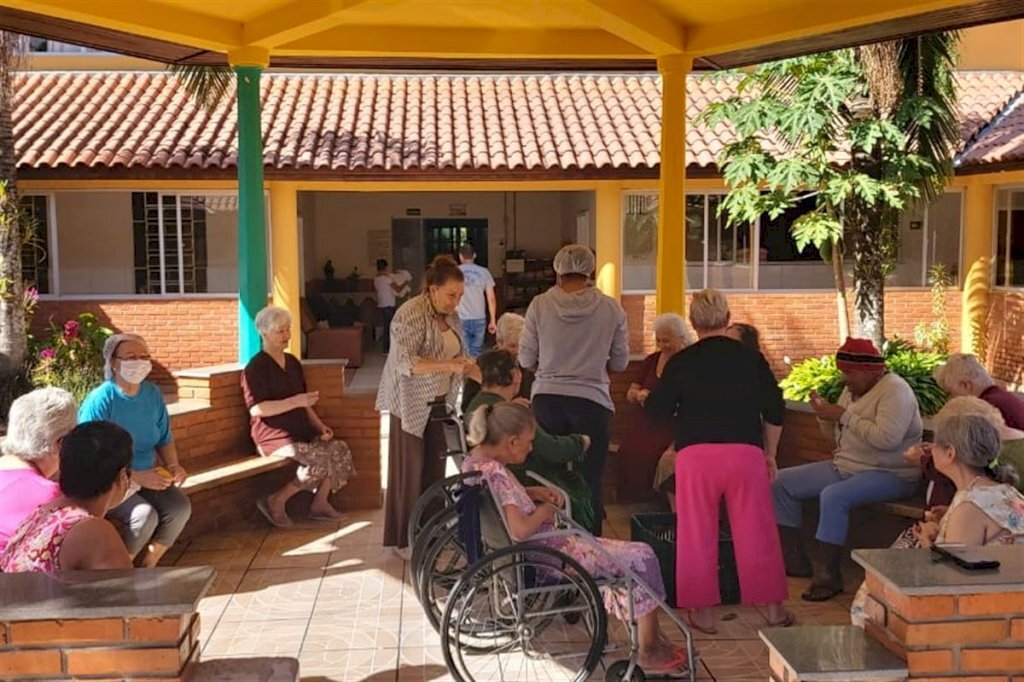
point(71, 532)
point(987, 508)
point(421, 379)
point(284, 424)
point(502, 435)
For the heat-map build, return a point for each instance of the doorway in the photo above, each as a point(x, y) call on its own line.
point(448, 235)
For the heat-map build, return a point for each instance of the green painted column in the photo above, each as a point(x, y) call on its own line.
point(252, 230)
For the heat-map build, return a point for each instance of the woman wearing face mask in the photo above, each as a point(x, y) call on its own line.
point(421, 378)
point(152, 517)
point(70, 533)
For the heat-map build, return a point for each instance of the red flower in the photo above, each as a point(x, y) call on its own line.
point(47, 353)
point(70, 330)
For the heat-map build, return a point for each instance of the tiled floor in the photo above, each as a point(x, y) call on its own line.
point(330, 595)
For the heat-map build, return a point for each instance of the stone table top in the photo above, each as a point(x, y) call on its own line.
point(839, 653)
point(916, 571)
point(103, 594)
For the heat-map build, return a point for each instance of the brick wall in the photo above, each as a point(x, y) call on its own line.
point(1006, 336)
point(181, 333)
point(978, 637)
point(156, 649)
point(799, 324)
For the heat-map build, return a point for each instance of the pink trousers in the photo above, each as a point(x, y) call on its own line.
point(737, 471)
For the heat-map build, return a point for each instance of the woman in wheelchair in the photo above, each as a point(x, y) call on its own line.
point(551, 456)
point(503, 434)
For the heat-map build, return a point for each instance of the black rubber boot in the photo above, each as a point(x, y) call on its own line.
point(794, 554)
point(829, 583)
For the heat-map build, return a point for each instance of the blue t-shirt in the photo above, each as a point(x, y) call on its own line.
point(143, 415)
point(473, 305)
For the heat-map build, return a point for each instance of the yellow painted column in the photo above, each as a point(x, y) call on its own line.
point(671, 276)
point(977, 270)
point(284, 256)
point(608, 206)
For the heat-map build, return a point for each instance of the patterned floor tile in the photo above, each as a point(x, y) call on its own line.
point(264, 638)
point(275, 594)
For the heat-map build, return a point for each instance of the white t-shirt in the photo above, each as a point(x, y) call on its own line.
point(385, 294)
point(474, 303)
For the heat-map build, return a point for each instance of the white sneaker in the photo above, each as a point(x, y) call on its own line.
point(404, 552)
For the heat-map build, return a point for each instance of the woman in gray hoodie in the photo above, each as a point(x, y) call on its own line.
point(573, 336)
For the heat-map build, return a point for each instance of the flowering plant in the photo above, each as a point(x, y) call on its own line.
point(71, 357)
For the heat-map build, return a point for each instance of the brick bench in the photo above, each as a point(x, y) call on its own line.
point(829, 653)
point(128, 625)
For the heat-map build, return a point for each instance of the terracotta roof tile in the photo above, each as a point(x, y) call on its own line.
point(387, 123)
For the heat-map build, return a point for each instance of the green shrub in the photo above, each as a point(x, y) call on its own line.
point(72, 357)
point(901, 357)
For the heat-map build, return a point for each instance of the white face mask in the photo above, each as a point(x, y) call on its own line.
point(135, 371)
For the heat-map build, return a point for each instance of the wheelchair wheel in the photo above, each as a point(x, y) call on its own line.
point(505, 605)
point(442, 565)
point(427, 539)
point(616, 672)
point(434, 499)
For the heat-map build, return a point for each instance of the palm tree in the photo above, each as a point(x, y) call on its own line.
point(13, 338)
point(207, 85)
point(911, 84)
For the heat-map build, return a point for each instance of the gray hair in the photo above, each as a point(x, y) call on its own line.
point(271, 317)
point(36, 421)
point(490, 423)
point(977, 444)
point(963, 367)
point(110, 348)
point(709, 310)
point(675, 325)
point(510, 328)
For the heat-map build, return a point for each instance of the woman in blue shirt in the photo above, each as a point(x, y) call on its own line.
point(154, 512)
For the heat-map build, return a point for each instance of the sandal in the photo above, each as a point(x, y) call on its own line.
point(786, 622)
point(693, 624)
point(821, 592)
point(264, 508)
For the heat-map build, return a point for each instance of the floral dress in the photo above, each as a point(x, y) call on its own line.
point(637, 556)
point(35, 547)
point(1002, 503)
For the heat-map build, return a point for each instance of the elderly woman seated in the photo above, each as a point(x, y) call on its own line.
point(510, 328)
point(284, 424)
point(154, 511)
point(71, 533)
point(552, 456)
point(31, 454)
point(646, 459)
point(963, 375)
point(987, 508)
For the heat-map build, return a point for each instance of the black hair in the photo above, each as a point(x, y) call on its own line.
point(467, 251)
point(442, 270)
point(91, 458)
point(749, 336)
point(382, 264)
point(496, 367)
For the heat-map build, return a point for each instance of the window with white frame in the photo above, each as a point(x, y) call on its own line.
point(1009, 238)
point(723, 257)
point(35, 251)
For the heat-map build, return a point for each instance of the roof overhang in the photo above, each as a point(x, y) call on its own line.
point(517, 35)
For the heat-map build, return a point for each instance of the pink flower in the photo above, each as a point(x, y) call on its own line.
point(70, 330)
point(31, 295)
point(47, 353)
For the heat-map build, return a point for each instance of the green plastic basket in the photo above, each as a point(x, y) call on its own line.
point(659, 531)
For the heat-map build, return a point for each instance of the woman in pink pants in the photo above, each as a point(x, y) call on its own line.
point(727, 411)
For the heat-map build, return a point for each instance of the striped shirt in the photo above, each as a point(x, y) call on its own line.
point(415, 335)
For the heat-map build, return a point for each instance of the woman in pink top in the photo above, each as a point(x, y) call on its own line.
point(70, 533)
point(31, 454)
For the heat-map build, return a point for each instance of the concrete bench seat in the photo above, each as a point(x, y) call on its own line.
point(246, 670)
point(234, 470)
point(833, 653)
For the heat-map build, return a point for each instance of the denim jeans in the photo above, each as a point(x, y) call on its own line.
point(474, 331)
point(388, 314)
point(838, 494)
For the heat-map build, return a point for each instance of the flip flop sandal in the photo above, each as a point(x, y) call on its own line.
point(693, 624)
point(786, 622)
point(328, 519)
point(264, 508)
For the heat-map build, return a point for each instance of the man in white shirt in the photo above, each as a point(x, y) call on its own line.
point(874, 422)
point(478, 303)
point(386, 288)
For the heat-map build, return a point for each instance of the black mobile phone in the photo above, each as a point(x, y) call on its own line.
point(965, 557)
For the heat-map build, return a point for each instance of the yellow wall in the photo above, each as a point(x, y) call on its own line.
point(993, 47)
